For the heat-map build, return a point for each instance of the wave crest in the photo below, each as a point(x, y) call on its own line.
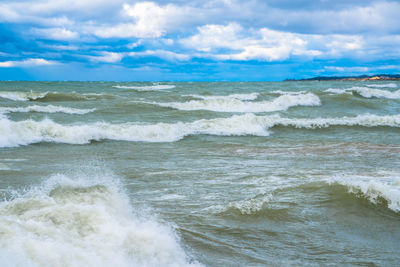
point(367, 92)
point(30, 131)
point(46, 109)
point(233, 104)
point(155, 87)
point(51, 96)
point(373, 188)
point(83, 221)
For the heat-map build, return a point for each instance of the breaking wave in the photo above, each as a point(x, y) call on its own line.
point(15, 133)
point(251, 96)
point(384, 85)
point(155, 87)
point(233, 104)
point(83, 220)
point(244, 207)
point(51, 96)
point(46, 109)
point(381, 187)
point(367, 92)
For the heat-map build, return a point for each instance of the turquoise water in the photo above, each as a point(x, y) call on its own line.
point(202, 174)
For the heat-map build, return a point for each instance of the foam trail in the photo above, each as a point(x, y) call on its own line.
point(367, 92)
point(155, 87)
point(23, 96)
point(288, 92)
point(231, 104)
point(82, 220)
point(29, 131)
point(46, 109)
point(251, 96)
point(384, 85)
point(50, 96)
point(373, 188)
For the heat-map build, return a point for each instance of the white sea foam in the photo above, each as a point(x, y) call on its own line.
point(245, 207)
point(251, 96)
point(337, 91)
point(288, 92)
point(15, 133)
point(367, 92)
point(47, 109)
point(22, 96)
point(230, 104)
point(384, 85)
point(370, 92)
point(31, 96)
point(83, 220)
point(385, 186)
point(154, 87)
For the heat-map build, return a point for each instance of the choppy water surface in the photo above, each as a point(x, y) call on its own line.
point(199, 174)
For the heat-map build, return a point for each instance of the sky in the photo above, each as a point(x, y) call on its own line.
point(197, 40)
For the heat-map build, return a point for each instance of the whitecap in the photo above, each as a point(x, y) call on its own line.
point(155, 87)
point(15, 133)
point(386, 186)
point(22, 96)
point(251, 96)
point(367, 92)
point(83, 220)
point(232, 104)
point(383, 85)
point(46, 109)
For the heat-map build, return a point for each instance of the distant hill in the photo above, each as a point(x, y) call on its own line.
point(377, 77)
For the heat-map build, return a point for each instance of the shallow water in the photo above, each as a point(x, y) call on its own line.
point(212, 174)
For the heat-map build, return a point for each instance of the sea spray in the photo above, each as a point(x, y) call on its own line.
point(82, 220)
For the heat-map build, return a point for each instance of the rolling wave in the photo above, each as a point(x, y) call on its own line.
point(155, 87)
point(384, 85)
point(15, 133)
point(367, 92)
point(50, 96)
point(232, 104)
point(251, 96)
point(46, 109)
point(376, 188)
point(82, 220)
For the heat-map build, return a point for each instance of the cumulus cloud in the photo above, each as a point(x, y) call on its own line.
point(27, 63)
point(149, 20)
point(105, 32)
point(108, 57)
point(55, 33)
point(266, 44)
point(167, 55)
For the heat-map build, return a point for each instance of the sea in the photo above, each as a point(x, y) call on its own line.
point(297, 173)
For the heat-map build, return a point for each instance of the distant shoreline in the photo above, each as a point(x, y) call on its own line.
point(377, 77)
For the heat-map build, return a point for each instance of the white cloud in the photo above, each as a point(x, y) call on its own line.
point(108, 57)
point(262, 44)
point(167, 55)
point(150, 20)
point(56, 33)
point(27, 63)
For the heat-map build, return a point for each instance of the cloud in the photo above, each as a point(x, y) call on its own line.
point(27, 63)
point(150, 20)
point(262, 44)
point(108, 57)
point(55, 33)
point(166, 55)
